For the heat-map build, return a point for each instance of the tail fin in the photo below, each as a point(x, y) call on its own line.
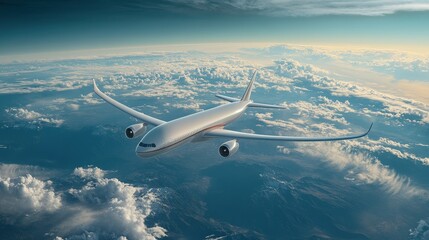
point(246, 95)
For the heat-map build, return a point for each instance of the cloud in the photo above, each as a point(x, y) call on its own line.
point(24, 114)
point(421, 232)
point(188, 105)
point(34, 86)
point(73, 106)
point(89, 173)
point(90, 99)
point(366, 169)
point(348, 155)
point(14, 170)
point(389, 146)
point(312, 98)
point(110, 206)
point(283, 149)
point(33, 117)
point(329, 111)
point(392, 106)
point(309, 7)
point(25, 194)
point(98, 208)
point(396, 72)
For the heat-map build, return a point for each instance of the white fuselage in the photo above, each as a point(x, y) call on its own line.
point(173, 134)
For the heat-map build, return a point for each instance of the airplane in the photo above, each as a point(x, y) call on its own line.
point(201, 126)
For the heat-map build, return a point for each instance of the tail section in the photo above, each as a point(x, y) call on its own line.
point(246, 97)
point(248, 92)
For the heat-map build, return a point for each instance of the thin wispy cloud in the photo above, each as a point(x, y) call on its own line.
point(310, 7)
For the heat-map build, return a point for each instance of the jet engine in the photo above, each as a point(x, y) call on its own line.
point(228, 148)
point(135, 130)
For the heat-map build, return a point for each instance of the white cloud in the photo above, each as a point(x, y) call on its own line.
point(310, 7)
point(267, 115)
point(101, 208)
point(189, 105)
point(287, 125)
point(90, 99)
point(36, 85)
point(393, 106)
point(89, 173)
point(343, 155)
point(33, 117)
point(329, 111)
point(283, 149)
point(165, 90)
point(22, 113)
point(366, 168)
point(117, 208)
point(73, 106)
point(247, 130)
point(25, 194)
point(53, 121)
point(389, 146)
point(15, 170)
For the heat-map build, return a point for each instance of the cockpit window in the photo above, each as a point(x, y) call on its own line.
point(141, 144)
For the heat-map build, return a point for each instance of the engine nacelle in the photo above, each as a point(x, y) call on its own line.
point(135, 130)
point(228, 148)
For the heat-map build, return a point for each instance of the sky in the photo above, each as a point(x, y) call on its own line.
point(67, 170)
point(48, 26)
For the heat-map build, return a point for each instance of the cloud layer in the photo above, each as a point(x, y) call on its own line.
point(95, 205)
point(101, 208)
point(25, 194)
point(33, 117)
point(124, 207)
point(310, 7)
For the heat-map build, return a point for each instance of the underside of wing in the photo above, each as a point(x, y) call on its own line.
point(143, 117)
point(242, 135)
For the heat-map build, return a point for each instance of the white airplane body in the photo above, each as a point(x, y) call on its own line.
point(201, 126)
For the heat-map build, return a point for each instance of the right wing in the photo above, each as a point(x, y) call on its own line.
point(145, 118)
point(234, 134)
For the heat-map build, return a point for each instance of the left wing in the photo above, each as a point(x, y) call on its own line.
point(145, 118)
point(234, 134)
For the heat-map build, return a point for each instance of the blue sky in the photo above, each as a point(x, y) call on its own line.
point(47, 25)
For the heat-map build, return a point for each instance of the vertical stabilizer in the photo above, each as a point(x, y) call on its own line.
point(246, 95)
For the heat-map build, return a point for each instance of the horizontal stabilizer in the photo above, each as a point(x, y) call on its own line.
point(263, 105)
point(252, 104)
point(226, 98)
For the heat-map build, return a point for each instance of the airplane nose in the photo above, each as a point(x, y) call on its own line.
point(139, 149)
point(143, 152)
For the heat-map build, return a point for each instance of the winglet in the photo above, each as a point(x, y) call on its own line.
point(246, 95)
point(95, 84)
point(369, 129)
point(145, 118)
